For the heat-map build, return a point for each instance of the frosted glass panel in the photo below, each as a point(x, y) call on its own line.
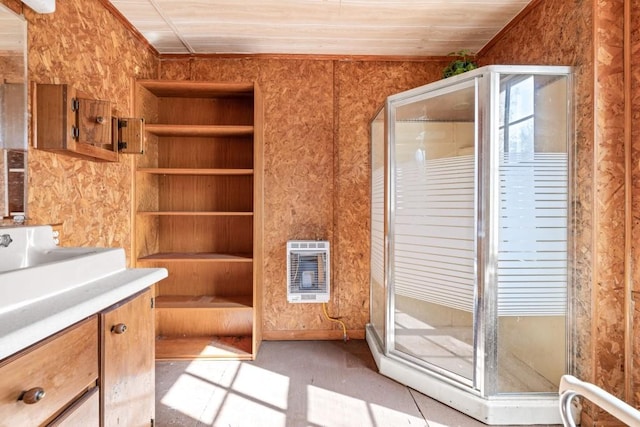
point(532, 258)
point(434, 231)
point(434, 228)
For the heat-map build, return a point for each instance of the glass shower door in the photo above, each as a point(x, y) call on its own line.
point(432, 230)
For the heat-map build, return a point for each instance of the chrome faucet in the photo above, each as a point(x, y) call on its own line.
point(5, 240)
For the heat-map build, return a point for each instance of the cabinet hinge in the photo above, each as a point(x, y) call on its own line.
point(152, 302)
point(122, 145)
point(75, 132)
point(75, 104)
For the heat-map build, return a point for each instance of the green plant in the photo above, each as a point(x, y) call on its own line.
point(460, 65)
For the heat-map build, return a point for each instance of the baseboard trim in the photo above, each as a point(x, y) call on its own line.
point(321, 335)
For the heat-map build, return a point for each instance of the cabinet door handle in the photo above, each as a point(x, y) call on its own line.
point(120, 328)
point(33, 395)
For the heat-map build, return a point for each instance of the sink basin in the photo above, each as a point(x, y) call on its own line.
point(33, 267)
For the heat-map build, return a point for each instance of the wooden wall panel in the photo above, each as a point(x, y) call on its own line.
point(608, 297)
point(83, 45)
point(609, 301)
point(316, 147)
point(588, 36)
point(635, 195)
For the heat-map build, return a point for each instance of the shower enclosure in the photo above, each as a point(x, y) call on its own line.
point(469, 241)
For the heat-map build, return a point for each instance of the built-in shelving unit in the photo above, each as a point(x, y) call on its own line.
point(199, 214)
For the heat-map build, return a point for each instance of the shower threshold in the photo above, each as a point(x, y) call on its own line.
point(514, 409)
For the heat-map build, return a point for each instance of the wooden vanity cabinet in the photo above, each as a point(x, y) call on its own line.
point(127, 369)
point(98, 372)
point(44, 381)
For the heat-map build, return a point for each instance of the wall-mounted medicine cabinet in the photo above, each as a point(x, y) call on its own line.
point(70, 122)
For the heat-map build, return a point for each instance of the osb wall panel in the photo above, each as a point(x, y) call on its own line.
point(609, 216)
point(361, 88)
point(564, 34)
point(635, 162)
point(83, 45)
point(316, 183)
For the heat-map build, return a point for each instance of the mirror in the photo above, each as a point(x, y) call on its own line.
point(13, 115)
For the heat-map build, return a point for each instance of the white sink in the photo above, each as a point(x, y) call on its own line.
point(33, 267)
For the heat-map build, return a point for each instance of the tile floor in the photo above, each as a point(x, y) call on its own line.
point(294, 384)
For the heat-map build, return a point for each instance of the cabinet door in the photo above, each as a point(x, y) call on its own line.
point(127, 363)
point(94, 123)
point(56, 117)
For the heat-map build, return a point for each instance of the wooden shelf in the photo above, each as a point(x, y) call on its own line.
point(209, 347)
point(198, 130)
point(197, 256)
point(192, 171)
point(191, 89)
point(204, 302)
point(190, 213)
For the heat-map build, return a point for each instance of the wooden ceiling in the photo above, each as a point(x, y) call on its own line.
point(319, 27)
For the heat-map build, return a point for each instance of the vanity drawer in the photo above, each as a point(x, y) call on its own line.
point(85, 412)
point(64, 366)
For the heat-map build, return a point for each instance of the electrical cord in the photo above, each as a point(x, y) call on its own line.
point(345, 338)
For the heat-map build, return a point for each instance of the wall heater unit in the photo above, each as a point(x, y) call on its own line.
point(308, 271)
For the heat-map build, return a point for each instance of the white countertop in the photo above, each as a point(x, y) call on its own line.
point(27, 325)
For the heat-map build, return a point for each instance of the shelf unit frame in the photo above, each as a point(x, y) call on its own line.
point(197, 211)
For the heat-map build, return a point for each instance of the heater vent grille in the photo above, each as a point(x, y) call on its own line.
point(308, 274)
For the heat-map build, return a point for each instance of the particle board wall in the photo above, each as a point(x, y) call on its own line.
point(316, 182)
point(83, 45)
point(568, 33)
point(635, 162)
